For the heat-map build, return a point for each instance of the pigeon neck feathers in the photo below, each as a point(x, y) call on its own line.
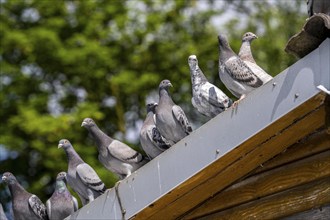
point(101, 139)
point(73, 157)
point(164, 97)
point(60, 186)
point(198, 76)
point(225, 50)
point(16, 189)
point(245, 52)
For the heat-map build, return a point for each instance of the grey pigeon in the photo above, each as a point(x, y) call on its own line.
point(152, 142)
point(234, 73)
point(61, 204)
point(318, 6)
point(116, 156)
point(2, 213)
point(171, 120)
point(25, 204)
point(208, 99)
point(81, 177)
point(246, 55)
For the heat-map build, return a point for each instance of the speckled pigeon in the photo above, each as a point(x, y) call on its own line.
point(234, 73)
point(81, 177)
point(246, 55)
point(152, 142)
point(171, 120)
point(61, 204)
point(2, 213)
point(208, 99)
point(116, 156)
point(25, 204)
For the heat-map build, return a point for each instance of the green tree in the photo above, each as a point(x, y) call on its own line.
point(62, 61)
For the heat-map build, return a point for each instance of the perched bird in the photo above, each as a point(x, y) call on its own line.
point(246, 55)
point(25, 204)
point(208, 99)
point(2, 213)
point(61, 204)
point(234, 73)
point(171, 120)
point(152, 142)
point(318, 6)
point(116, 156)
point(81, 177)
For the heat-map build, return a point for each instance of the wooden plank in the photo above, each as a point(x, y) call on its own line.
point(267, 183)
point(237, 163)
point(315, 143)
point(283, 204)
point(320, 213)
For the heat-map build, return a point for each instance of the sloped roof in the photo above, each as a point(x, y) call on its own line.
point(225, 149)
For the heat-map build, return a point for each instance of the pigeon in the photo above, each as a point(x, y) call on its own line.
point(25, 204)
point(81, 177)
point(2, 213)
point(115, 156)
point(318, 6)
point(61, 204)
point(246, 55)
point(171, 120)
point(152, 142)
point(208, 99)
point(234, 73)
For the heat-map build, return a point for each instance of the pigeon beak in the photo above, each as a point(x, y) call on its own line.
point(83, 124)
point(60, 146)
point(170, 84)
point(4, 178)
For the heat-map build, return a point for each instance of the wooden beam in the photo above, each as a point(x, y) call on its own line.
point(283, 204)
point(319, 213)
point(267, 183)
point(240, 161)
point(313, 144)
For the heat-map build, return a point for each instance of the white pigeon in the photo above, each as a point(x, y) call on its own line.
point(234, 73)
point(208, 99)
point(152, 142)
point(246, 55)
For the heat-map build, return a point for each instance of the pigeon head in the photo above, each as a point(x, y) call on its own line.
point(9, 178)
point(192, 61)
point(223, 42)
point(249, 36)
point(61, 176)
point(64, 143)
point(87, 123)
point(151, 107)
point(165, 84)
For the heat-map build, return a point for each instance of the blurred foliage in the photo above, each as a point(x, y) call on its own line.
point(62, 61)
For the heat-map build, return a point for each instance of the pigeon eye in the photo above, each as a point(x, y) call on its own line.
point(65, 141)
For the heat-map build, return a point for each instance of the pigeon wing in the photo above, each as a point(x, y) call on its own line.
point(240, 72)
point(157, 139)
point(180, 116)
point(49, 208)
point(38, 207)
point(75, 203)
point(123, 152)
point(214, 96)
point(90, 178)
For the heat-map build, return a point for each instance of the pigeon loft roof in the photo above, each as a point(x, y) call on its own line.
point(269, 157)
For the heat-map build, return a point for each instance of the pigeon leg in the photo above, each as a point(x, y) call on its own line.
point(235, 104)
point(90, 195)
